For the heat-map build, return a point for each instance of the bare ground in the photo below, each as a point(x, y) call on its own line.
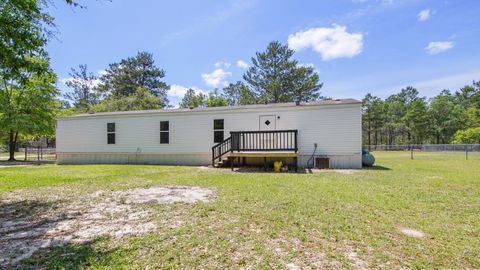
point(29, 222)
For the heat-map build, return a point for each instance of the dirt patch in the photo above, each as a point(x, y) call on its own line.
point(28, 224)
point(341, 171)
point(167, 194)
point(412, 232)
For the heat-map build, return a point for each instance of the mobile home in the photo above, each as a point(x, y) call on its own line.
point(322, 133)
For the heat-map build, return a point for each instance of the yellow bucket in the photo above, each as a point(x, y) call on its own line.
point(277, 165)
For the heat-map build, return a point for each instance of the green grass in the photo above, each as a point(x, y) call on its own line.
point(267, 220)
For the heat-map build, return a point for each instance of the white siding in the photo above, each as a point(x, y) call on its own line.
point(336, 129)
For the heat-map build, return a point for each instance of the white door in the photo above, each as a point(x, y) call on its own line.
point(268, 122)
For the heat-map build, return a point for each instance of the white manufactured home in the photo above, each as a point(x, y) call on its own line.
point(322, 134)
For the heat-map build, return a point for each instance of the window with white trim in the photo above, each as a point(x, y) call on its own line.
point(110, 133)
point(164, 132)
point(218, 130)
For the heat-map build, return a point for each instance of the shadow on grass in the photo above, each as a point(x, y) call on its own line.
point(24, 228)
point(377, 168)
point(6, 163)
point(75, 256)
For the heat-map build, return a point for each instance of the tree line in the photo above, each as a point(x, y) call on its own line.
point(408, 118)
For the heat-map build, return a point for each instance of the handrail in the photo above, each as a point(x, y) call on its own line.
point(221, 149)
point(264, 140)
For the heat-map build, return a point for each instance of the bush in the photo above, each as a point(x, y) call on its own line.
point(467, 136)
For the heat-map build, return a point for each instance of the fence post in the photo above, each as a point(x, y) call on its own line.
point(466, 152)
point(411, 152)
point(26, 152)
point(38, 153)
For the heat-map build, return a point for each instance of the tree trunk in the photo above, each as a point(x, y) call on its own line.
point(11, 145)
point(369, 133)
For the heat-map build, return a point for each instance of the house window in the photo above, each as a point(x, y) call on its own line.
point(218, 128)
point(110, 133)
point(164, 132)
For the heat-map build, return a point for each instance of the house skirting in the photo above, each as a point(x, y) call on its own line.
point(343, 161)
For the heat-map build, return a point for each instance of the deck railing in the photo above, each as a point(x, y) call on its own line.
point(253, 141)
point(221, 149)
point(271, 140)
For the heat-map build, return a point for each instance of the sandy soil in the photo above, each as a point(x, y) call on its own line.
point(411, 232)
point(30, 223)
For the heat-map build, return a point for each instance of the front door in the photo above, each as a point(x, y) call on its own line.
point(268, 122)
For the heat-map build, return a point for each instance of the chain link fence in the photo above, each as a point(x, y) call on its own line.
point(463, 151)
point(38, 150)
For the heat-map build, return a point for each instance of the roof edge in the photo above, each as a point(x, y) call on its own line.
point(217, 109)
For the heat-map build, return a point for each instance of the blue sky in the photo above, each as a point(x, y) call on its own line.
point(357, 46)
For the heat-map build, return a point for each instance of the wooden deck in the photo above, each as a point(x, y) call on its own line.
point(256, 144)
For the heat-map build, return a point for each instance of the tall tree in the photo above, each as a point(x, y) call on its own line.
point(446, 116)
point(28, 106)
point(23, 34)
point(417, 121)
point(215, 100)
point(304, 84)
point(373, 117)
point(275, 77)
point(25, 28)
point(239, 94)
point(469, 95)
point(142, 99)
point(125, 77)
point(83, 94)
point(192, 100)
point(471, 117)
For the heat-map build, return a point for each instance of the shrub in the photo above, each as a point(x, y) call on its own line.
point(467, 136)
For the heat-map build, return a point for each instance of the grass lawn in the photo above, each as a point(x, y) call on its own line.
point(329, 220)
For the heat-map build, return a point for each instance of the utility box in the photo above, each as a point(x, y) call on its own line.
point(322, 163)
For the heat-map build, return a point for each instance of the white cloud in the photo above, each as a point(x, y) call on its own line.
point(216, 78)
point(242, 64)
point(101, 72)
point(179, 90)
point(330, 42)
point(221, 64)
point(307, 65)
point(92, 83)
point(437, 47)
point(423, 15)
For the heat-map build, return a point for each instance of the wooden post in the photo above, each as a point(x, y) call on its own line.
point(26, 152)
point(41, 153)
point(296, 164)
point(466, 152)
point(38, 152)
point(411, 152)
